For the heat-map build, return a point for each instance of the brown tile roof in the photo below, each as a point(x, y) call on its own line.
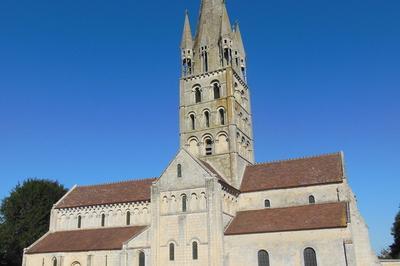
point(123, 192)
point(319, 216)
point(85, 240)
point(324, 169)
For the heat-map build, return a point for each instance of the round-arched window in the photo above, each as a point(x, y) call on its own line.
point(263, 258)
point(217, 91)
point(171, 251)
point(195, 251)
point(142, 259)
point(310, 257)
point(197, 96)
point(222, 116)
point(209, 147)
point(311, 199)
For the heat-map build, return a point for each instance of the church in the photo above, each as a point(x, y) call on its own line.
point(213, 204)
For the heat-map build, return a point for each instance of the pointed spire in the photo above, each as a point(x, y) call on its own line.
point(208, 27)
point(225, 23)
point(239, 40)
point(187, 38)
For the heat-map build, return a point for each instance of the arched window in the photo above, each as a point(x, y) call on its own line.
point(171, 251)
point(103, 220)
point(128, 218)
point(311, 199)
point(184, 201)
point(263, 258)
point(217, 91)
point(192, 122)
point(222, 116)
point(197, 95)
point(204, 57)
point(207, 118)
point(267, 203)
point(209, 148)
point(310, 257)
point(79, 222)
point(186, 65)
point(142, 259)
point(195, 250)
point(179, 170)
point(54, 262)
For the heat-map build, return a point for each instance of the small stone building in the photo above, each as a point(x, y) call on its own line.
point(213, 205)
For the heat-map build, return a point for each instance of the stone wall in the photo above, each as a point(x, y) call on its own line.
point(390, 262)
point(292, 197)
point(91, 216)
point(109, 258)
point(287, 248)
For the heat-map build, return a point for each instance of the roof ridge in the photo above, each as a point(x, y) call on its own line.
point(119, 182)
point(297, 159)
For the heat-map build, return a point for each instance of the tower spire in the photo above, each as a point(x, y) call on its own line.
point(187, 47)
point(187, 38)
point(239, 40)
point(225, 23)
point(208, 27)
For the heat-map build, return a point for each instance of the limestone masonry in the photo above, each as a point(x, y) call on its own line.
point(213, 205)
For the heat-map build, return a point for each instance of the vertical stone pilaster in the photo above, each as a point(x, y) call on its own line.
point(89, 260)
point(24, 258)
point(215, 223)
point(155, 225)
point(53, 220)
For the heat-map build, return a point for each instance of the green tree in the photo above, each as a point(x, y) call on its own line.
point(395, 248)
point(25, 216)
point(385, 254)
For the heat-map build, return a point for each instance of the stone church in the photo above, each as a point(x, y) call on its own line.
point(213, 205)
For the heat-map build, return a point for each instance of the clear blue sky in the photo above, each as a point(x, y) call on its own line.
point(89, 89)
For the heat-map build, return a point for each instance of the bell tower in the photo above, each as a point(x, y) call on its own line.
point(215, 113)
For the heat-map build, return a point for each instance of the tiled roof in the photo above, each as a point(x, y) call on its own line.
point(123, 192)
point(85, 240)
point(324, 169)
point(319, 216)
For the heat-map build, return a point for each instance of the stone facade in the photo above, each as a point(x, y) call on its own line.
point(212, 205)
point(390, 262)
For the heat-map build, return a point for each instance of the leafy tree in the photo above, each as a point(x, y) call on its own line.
point(395, 248)
point(385, 254)
point(25, 216)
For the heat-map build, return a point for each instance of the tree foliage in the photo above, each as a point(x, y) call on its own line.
point(395, 248)
point(25, 216)
point(385, 254)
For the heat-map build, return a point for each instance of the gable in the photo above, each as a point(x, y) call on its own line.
point(193, 171)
